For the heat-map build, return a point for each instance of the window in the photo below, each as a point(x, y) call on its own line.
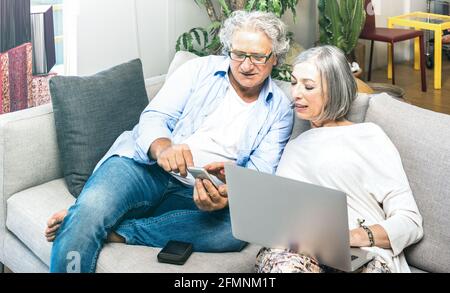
point(58, 26)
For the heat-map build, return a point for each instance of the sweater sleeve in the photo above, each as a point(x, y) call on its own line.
point(403, 223)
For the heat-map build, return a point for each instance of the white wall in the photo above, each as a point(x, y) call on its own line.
point(114, 31)
point(305, 26)
point(160, 23)
point(106, 34)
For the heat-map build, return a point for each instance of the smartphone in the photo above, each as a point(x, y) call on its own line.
point(175, 252)
point(201, 173)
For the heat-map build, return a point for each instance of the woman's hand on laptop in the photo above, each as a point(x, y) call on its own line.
point(360, 238)
point(209, 198)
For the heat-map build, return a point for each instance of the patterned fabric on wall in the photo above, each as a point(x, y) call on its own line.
point(41, 90)
point(16, 79)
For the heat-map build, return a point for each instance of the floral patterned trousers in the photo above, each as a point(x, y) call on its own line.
point(284, 261)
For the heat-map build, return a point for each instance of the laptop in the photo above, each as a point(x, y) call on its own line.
point(277, 212)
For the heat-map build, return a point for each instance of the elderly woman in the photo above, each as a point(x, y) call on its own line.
point(358, 159)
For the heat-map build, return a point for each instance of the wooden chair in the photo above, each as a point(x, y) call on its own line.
point(390, 35)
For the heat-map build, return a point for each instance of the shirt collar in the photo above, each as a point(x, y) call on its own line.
point(267, 89)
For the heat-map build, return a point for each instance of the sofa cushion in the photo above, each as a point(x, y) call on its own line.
point(103, 106)
point(179, 59)
point(141, 259)
point(18, 258)
point(421, 137)
point(29, 210)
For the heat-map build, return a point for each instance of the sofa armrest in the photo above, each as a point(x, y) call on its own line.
point(29, 154)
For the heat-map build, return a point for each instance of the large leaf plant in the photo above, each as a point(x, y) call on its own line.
point(340, 23)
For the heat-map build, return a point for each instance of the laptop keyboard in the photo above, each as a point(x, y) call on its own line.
point(354, 257)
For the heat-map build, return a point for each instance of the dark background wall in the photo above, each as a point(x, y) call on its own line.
point(15, 27)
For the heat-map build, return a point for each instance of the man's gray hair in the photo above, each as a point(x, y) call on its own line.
point(336, 73)
point(266, 22)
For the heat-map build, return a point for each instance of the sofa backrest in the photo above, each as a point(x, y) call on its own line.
point(422, 138)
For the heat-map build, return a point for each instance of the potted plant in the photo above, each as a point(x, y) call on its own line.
point(205, 41)
point(340, 23)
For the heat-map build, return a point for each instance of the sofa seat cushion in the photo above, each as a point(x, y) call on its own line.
point(421, 137)
point(140, 259)
point(29, 210)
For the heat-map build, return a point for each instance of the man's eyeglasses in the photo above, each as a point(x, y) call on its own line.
point(254, 58)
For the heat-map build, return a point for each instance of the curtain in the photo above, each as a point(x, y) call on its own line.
point(15, 27)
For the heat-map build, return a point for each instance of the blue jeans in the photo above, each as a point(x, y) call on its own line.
point(145, 205)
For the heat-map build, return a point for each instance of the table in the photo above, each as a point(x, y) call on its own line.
point(424, 21)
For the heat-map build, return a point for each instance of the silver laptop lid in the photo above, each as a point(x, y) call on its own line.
point(277, 212)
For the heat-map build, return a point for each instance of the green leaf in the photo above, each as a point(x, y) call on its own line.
point(178, 45)
point(262, 5)
point(196, 35)
point(215, 46)
point(190, 44)
point(205, 36)
point(277, 8)
point(226, 10)
point(185, 41)
point(341, 22)
point(214, 26)
point(200, 2)
point(250, 5)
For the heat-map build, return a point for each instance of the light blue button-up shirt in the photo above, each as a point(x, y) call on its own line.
point(192, 93)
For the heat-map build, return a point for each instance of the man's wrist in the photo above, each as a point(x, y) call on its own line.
point(157, 147)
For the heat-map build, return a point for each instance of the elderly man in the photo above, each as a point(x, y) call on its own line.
point(212, 110)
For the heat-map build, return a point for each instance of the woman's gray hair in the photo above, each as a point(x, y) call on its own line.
point(265, 22)
point(339, 81)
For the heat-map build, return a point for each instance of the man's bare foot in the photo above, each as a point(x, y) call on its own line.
point(53, 225)
point(113, 237)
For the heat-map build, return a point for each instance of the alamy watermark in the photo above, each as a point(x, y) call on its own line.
point(74, 262)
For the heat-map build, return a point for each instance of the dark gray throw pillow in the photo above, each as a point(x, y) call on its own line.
point(91, 112)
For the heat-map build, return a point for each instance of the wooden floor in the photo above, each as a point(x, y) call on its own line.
point(409, 79)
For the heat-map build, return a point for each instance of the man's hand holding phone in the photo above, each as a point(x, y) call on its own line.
point(207, 196)
point(172, 158)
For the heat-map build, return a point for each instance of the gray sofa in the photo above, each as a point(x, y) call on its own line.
point(32, 189)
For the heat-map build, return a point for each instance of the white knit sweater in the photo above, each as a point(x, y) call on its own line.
point(361, 161)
